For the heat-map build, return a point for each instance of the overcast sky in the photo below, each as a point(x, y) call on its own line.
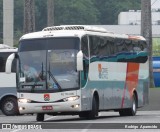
point(155, 4)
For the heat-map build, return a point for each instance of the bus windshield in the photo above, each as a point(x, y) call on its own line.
point(48, 65)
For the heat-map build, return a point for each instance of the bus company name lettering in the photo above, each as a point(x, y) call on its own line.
point(103, 74)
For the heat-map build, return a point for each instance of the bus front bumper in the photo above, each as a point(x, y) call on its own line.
point(69, 106)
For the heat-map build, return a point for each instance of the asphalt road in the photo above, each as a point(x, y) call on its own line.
point(107, 121)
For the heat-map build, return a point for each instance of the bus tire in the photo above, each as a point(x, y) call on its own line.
point(130, 111)
point(133, 110)
point(83, 114)
point(95, 108)
point(40, 117)
point(9, 106)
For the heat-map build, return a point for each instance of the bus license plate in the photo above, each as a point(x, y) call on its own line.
point(47, 108)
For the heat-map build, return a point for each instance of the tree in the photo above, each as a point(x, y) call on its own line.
point(29, 16)
point(18, 15)
point(1, 21)
point(40, 14)
point(18, 20)
point(146, 31)
point(109, 9)
point(50, 12)
point(75, 12)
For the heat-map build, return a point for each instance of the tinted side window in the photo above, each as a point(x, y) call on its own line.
point(101, 46)
point(84, 73)
point(94, 44)
point(121, 45)
point(131, 51)
point(143, 45)
point(3, 58)
point(84, 46)
point(14, 65)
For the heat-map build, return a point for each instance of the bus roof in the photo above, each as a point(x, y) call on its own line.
point(76, 30)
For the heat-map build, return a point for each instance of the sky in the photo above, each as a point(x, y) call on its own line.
point(155, 4)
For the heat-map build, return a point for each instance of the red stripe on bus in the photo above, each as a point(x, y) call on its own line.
point(131, 80)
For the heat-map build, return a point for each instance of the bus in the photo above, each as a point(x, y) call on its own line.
point(81, 70)
point(8, 94)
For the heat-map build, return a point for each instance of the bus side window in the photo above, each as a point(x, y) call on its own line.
point(143, 45)
point(112, 47)
point(94, 45)
point(3, 58)
point(103, 46)
point(84, 48)
point(1, 64)
point(119, 45)
point(85, 45)
point(14, 65)
point(129, 45)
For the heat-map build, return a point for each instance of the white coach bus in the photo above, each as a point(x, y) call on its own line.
point(80, 70)
point(8, 94)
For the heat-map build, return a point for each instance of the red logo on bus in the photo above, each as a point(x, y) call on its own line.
point(100, 70)
point(46, 97)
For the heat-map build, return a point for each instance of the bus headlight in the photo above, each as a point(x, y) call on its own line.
point(24, 100)
point(73, 98)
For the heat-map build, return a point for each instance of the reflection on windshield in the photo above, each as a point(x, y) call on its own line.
point(32, 73)
point(59, 69)
point(62, 65)
point(48, 64)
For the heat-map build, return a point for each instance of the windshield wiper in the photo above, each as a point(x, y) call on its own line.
point(53, 78)
point(55, 81)
point(42, 71)
point(34, 85)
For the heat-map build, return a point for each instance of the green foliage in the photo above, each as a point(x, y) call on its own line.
point(109, 9)
point(18, 15)
point(1, 21)
point(41, 14)
point(75, 12)
point(83, 12)
point(156, 46)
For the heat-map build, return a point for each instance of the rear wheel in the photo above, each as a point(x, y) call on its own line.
point(9, 106)
point(130, 111)
point(40, 117)
point(133, 110)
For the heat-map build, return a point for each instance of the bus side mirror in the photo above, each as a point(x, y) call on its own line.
point(9, 63)
point(80, 61)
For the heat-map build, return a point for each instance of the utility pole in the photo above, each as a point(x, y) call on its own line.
point(50, 12)
point(146, 31)
point(29, 16)
point(8, 12)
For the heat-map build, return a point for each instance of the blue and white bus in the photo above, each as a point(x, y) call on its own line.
point(81, 70)
point(8, 91)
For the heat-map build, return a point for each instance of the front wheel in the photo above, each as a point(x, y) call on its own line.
point(95, 108)
point(40, 117)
